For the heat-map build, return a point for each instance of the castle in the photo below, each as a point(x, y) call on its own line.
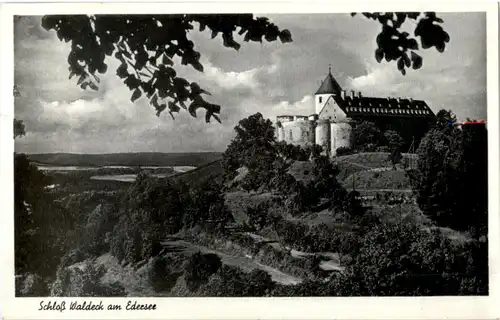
point(337, 112)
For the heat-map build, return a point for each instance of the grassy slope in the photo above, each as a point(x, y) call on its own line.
point(376, 180)
point(364, 161)
point(127, 159)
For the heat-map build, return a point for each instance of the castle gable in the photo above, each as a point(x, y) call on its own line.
point(332, 111)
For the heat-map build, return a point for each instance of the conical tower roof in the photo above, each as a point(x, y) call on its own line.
point(329, 85)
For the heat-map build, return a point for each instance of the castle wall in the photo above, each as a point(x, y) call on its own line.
point(297, 132)
point(280, 132)
point(312, 132)
point(323, 135)
point(340, 136)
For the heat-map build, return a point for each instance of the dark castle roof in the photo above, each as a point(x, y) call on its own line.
point(358, 106)
point(329, 86)
point(385, 107)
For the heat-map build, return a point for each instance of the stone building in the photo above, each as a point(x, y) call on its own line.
point(337, 111)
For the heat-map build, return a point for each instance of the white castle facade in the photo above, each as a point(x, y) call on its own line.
point(331, 124)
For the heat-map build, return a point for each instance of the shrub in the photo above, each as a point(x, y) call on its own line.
point(161, 277)
point(199, 268)
point(31, 285)
point(401, 259)
point(84, 280)
point(258, 216)
point(383, 149)
point(343, 151)
point(233, 282)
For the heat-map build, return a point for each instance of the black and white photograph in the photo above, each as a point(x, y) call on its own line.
point(251, 155)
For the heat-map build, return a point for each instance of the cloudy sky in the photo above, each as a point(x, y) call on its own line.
point(270, 78)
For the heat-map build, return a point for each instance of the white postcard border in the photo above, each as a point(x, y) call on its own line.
point(251, 308)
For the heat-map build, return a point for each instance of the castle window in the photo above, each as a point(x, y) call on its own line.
point(290, 135)
point(320, 99)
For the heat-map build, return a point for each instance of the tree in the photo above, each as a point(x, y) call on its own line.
point(445, 118)
point(451, 179)
point(199, 268)
point(401, 259)
point(395, 143)
point(366, 136)
point(19, 129)
point(146, 45)
point(396, 45)
point(254, 148)
point(41, 225)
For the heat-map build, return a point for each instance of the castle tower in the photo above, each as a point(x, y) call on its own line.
point(323, 135)
point(328, 87)
point(340, 133)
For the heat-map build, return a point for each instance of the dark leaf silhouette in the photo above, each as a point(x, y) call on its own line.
point(379, 55)
point(136, 95)
point(393, 44)
point(146, 45)
point(93, 86)
point(417, 60)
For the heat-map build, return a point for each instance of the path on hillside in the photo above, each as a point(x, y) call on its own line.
point(244, 263)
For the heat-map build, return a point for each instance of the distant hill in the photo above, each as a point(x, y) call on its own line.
point(194, 159)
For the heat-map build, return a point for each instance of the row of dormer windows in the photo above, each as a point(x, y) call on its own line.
point(385, 110)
